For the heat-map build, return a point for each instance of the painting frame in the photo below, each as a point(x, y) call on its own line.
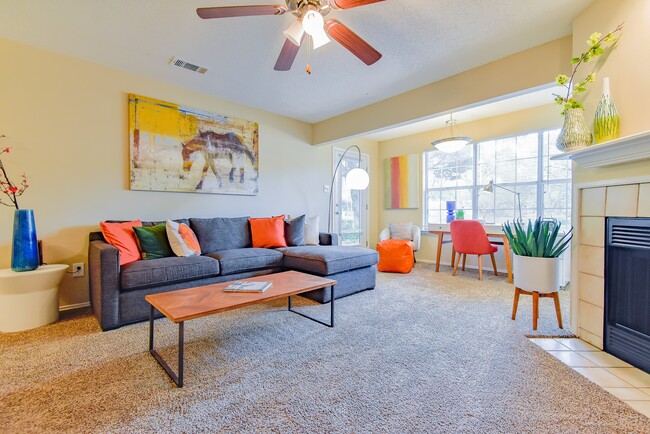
point(182, 149)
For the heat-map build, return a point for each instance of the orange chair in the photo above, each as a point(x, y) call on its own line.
point(469, 238)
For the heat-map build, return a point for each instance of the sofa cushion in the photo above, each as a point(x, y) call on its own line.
point(294, 231)
point(122, 236)
point(153, 242)
point(312, 225)
point(182, 239)
point(240, 260)
point(222, 233)
point(268, 232)
point(326, 260)
point(164, 271)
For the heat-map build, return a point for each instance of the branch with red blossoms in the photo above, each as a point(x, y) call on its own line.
point(11, 190)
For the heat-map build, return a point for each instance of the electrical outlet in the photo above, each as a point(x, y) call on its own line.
point(326, 188)
point(78, 269)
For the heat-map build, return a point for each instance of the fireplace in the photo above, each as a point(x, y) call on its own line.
point(627, 290)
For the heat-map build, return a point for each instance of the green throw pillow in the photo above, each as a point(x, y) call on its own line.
point(153, 242)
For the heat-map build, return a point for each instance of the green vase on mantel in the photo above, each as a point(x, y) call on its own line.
point(574, 133)
point(606, 120)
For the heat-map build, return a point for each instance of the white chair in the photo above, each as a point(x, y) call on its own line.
point(415, 236)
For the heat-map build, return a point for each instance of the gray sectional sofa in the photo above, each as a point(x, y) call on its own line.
point(117, 293)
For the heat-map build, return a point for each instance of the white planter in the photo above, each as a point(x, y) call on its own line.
point(536, 274)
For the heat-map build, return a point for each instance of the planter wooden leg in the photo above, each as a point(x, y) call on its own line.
point(480, 267)
point(494, 264)
point(556, 299)
point(515, 304)
point(456, 265)
point(464, 260)
point(535, 309)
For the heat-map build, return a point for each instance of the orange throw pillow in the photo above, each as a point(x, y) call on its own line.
point(122, 236)
point(268, 232)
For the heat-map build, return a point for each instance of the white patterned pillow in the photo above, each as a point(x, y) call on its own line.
point(311, 230)
point(400, 231)
point(182, 239)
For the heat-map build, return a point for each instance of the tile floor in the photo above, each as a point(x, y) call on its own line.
point(627, 383)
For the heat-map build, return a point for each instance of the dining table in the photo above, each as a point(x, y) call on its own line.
point(496, 236)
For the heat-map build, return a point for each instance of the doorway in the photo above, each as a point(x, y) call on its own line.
point(349, 207)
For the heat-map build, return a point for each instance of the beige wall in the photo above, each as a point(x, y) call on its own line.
point(627, 66)
point(534, 67)
point(66, 121)
point(547, 116)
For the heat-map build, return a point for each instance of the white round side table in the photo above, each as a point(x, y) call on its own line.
point(29, 299)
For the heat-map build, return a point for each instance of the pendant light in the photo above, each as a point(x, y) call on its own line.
point(451, 143)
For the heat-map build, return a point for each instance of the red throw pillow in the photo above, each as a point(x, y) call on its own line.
point(122, 236)
point(268, 232)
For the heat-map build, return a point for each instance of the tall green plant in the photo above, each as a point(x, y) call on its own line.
point(538, 239)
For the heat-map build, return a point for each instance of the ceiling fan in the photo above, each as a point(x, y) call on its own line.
point(309, 14)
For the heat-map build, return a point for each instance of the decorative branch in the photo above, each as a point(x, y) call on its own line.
point(11, 190)
point(597, 44)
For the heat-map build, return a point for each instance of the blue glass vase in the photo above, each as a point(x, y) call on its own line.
point(24, 253)
point(451, 207)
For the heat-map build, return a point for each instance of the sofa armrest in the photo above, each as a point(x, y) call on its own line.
point(104, 280)
point(328, 239)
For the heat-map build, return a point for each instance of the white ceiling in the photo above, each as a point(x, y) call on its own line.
point(421, 41)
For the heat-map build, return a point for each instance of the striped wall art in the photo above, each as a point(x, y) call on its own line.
point(401, 181)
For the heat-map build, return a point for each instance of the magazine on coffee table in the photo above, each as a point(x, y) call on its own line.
point(244, 286)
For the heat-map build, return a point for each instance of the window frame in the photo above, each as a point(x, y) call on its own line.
point(540, 182)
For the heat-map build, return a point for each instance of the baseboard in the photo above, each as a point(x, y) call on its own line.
point(74, 306)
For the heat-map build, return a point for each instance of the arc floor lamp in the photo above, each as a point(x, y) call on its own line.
point(356, 179)
point(489, 188)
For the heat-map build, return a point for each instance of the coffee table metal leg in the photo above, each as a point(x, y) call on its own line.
point(331, 324)
point(177, 378)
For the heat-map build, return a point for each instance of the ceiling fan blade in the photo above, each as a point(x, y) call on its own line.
point(348, 4)
point(240, 11)
point(352, 42)
point(287, 55)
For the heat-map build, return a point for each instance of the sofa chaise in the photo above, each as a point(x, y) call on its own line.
point(117, 292)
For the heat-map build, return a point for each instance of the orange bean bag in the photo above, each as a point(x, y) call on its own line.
point(395, 256)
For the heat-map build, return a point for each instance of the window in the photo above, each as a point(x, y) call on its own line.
point(519, 163)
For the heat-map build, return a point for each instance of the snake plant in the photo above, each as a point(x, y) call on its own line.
point(538, 239)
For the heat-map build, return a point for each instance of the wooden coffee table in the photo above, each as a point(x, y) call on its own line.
point(185, 304)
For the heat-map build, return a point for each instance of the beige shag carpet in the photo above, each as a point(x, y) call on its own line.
point(423, 352)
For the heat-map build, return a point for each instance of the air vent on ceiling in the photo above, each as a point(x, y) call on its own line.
point(187, 65)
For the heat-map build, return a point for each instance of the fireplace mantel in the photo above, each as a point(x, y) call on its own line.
point(623, 150)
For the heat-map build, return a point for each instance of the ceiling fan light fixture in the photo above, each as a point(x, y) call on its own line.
point(313, 22)
point(319, 39)
point(451, 143)
point(295, 32)
point(314, 25)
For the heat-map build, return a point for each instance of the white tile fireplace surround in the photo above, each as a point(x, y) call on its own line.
point(596, 203)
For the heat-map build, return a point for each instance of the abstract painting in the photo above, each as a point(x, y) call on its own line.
point(175, 148)
point(401, 181)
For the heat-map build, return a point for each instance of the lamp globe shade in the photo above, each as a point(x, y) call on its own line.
point(357, 179)
point(451, 144)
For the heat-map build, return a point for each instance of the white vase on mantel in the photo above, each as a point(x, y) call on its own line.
point(606, 120)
